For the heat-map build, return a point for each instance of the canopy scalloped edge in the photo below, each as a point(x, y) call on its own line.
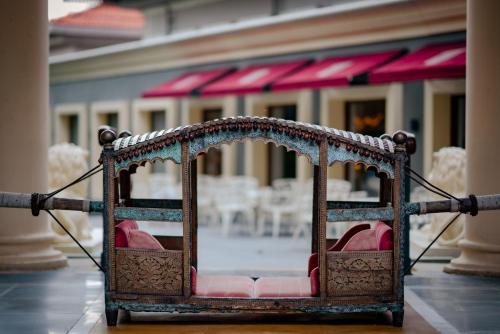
point(302, 138)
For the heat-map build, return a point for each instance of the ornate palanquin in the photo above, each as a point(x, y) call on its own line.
point(160, 280)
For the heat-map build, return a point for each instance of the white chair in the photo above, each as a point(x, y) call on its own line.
point(282, 200)
point(236, 197)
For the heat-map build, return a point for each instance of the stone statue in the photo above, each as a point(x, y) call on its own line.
point(448, 173)
point(66, 163)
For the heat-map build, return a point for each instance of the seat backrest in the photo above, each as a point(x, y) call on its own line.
point(122, 232)
point(362, 241)
point(143, 240)
point(380, 237)
point(348, 235)
point(384, 236)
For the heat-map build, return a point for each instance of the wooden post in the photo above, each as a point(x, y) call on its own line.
point(322, 186)
point(186, 217)
point(194, 214)
point(315, 213)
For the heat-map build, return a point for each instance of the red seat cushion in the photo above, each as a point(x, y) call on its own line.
point(272, 287)
point(313, 259)
point(143, 240)
point(362, 241)
point(384, 236)
point(122, 232)
point(223, 286)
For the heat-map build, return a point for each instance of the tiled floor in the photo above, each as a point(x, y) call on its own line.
point(71, 300)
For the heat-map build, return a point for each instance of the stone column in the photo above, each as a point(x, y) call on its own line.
point(481, 244)
point(25, 241)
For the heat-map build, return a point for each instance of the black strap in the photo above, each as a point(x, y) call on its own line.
point(37, 203)
point(473, 205)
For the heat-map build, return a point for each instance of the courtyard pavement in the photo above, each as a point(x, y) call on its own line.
point(71, 300)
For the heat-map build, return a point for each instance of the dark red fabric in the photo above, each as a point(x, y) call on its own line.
point(186, 84)
point(315, 282)
point(252, 79)
point(193, 280)
point(384, 236)
point(122, 232)
point(335, 71)
point(438, 61)
point(313, 263)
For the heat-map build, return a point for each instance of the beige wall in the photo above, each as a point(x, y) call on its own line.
point(141, 123)
point(98, 111)
point(61, 126)
point(332, 112)
point(437, 115)
point(192, 112)
point(256, 158)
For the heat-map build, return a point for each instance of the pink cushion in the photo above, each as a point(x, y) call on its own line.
point(315, 282)
point(122, 232)
point(313, 263)
point(384, 235)
point(347, 236)
point(144, 240)
point(362, 241)
point(224, 286)
point(313, 259)
point(266, 287)
point(193, 280)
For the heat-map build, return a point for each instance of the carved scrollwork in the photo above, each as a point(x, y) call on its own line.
point(359, 273)
point(143, 271)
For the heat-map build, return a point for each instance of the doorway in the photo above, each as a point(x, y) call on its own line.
point(367, 118)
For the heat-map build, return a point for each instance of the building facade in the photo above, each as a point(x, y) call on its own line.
point(112, 85)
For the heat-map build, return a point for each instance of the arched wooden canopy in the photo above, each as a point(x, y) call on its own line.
point(305, 139)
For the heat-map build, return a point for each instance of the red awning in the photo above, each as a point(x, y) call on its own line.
point(252, 79)
point(336, 71)
point(431, 62)
point(186, 84)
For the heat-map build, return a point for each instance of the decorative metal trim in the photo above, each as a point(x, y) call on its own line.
point(167, 215)
point(296, 136)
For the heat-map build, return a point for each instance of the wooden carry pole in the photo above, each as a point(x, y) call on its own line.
point(23, 201)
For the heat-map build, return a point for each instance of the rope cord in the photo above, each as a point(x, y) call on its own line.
point(408, 271)
point(442, 192)
point(75, 240)
point(87, 174)
point(38, 202)
point(428, 188)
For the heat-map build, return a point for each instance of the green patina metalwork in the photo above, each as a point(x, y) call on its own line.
point(197, 308)
point(304, 147)
point(171, 152)
point(342, 155)
point(351, 205)
point(167, 215)
point(412, 209)
point(96, 206)
point(335, 215)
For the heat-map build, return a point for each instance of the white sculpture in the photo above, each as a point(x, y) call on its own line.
point(66, 163)
point(448, 173)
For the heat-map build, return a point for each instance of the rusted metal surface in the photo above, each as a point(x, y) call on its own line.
point(154, 214)
point(335, 215)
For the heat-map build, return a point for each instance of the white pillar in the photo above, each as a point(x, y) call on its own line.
point(481, 244)
point(25, 241)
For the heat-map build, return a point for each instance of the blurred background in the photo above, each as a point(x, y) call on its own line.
point(370, 67)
